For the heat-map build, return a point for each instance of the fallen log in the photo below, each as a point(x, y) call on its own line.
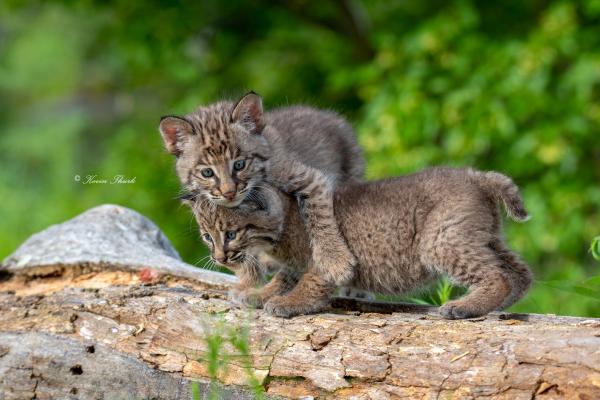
point(102, 307)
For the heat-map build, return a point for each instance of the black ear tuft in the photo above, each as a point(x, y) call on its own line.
point(262, 205)
point(259, 202)
point(187, 198)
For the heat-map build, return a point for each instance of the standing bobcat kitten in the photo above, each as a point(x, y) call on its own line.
point(405, 232)
point(225, 150)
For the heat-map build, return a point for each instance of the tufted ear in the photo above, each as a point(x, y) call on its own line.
point(249, 113)
point(188, 198)
point(255, 202)
point(174, 131)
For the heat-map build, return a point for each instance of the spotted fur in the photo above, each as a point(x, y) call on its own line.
point(300, 150)
point(405, 232)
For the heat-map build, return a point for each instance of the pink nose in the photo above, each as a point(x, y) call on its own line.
point(220, 260)
point(229, 195)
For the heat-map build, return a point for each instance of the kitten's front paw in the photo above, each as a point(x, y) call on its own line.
point(284, 306)
point(246, 297)
point(457, 309)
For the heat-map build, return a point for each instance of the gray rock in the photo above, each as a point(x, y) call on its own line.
point(107, 236)
point(44, 366)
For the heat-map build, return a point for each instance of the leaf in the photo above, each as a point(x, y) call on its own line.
point(195, 391)
point(595, 248)
point(585, 288)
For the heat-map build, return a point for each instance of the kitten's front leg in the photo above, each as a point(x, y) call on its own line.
point(330, 254)
point(249, 277)
point(239, 293)
point(281, 283)
point(310, 295)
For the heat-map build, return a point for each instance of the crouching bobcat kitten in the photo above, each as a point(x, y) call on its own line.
point(225, 150)
point(405, 232)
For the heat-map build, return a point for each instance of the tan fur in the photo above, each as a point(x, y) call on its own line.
point(299, 150)
point(404, 232)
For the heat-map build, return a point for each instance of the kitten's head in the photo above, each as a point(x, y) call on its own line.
point(221, 152)
point(235, 235)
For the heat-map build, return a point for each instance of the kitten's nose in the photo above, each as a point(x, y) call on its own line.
point(220, 260)
point(230, 195)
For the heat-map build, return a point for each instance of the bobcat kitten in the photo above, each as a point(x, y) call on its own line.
point(404, 232)
point(225, 150)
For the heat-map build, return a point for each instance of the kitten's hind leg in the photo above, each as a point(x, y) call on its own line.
point(478, 268)
point(517, 272)
point(310, 295)
point(485, 295)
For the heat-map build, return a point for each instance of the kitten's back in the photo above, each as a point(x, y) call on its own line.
point(319, 138)
point(391, 213)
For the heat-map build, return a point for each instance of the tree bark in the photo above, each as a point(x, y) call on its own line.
point(91, 328)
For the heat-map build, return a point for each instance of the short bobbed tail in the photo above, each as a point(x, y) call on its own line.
point(503, 189)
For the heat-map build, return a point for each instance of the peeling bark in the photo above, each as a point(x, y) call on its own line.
point(150, 341)
point(89, 330)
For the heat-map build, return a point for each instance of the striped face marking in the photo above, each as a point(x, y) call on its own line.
point(233, 235)
point(222, 161)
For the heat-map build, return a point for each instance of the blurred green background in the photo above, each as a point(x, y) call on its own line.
point(512, 86)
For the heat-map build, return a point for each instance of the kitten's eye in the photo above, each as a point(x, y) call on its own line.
point(207, 172)
point(230, 235)
point(239, 165)
point(207, 237)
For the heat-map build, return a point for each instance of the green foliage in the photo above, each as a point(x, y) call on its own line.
point(195, 389)
point(215, 360)
point(512, 86)
point(595, 248)
point(588, 288)
point(443, 292)
point(228, 345)
point(240, 341)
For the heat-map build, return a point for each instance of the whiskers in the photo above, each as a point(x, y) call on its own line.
point(191, 230)
point(239, 257)
point(268, 188)
point(185, 194)
point(209, 263)
point(263, 194)
point(255, 197)
point(205, 206)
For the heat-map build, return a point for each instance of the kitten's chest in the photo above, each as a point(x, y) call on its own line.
point(294, 244)
point(291, 259)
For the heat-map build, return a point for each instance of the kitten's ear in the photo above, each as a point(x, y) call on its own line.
point(174, 131)
point(249, 113)
point(188, 198)
point(254, 204)
point(264, 203)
